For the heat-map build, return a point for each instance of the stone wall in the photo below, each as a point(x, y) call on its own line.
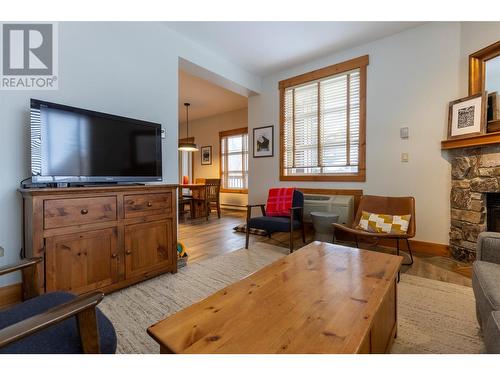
point(474, 172)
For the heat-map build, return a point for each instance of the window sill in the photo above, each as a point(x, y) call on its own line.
point(234, 191)
point(358, 177)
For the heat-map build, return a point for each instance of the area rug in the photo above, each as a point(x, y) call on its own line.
point(434, 317)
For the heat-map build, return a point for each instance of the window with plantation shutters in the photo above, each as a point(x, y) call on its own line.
point(234, 160)
point(322, 123)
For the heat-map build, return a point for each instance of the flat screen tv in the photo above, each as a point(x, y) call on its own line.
point(74, 145)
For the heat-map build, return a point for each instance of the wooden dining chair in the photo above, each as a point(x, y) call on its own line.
point(183, 201)
point(212, 195)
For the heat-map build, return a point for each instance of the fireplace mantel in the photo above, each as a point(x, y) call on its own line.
point(472, 141)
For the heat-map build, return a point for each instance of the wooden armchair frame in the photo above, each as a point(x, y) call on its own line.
point(83, 307)
point(385, 205)
point(293, 210)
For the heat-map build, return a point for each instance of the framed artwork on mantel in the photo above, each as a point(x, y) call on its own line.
point(467, 116)
point(263, 142)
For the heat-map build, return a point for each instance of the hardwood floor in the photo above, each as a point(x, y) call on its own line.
point(204, 239)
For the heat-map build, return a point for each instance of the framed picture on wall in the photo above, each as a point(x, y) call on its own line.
point(467, 116)
point(206, 155)
point(263, 142)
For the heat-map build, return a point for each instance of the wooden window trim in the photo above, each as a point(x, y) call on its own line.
point(234, 191)
point(186, 140)
point(227, 133)
point(358, 63)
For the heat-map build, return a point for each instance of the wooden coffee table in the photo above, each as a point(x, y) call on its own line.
point(322, 298)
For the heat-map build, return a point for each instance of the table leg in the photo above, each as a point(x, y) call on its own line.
point(165, 350)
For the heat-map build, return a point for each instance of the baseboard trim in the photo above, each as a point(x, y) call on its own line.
point(233, 207)
point(422, 247)
point(10, 294)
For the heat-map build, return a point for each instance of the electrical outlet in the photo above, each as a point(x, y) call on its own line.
point(1, 251)
point(404, 157)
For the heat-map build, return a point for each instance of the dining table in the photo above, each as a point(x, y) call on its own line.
point(198, 195)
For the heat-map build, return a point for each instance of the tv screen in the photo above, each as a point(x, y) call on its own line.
point(76, 145)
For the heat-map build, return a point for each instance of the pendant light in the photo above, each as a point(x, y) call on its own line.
point(187, 146)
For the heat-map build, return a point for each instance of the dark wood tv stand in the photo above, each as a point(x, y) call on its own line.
point(100, 237)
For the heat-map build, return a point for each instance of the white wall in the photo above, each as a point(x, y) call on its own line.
point(124, 68)
point(411, 78)
point(206, 133)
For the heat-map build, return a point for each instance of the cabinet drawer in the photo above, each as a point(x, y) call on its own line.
point(75, 211)
point(138, 205)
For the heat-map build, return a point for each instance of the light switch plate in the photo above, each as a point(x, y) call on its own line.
point(404, 157)
point(163, 133)
point(404, 133)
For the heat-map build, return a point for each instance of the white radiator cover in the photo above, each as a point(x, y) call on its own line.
point(342, 205)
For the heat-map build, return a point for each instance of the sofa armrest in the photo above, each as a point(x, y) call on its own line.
point(82, 307)
point(488, 247)
point(492, 333)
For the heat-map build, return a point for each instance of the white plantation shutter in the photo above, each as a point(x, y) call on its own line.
point(234, 161)
point(305, 124)
point(321, 126)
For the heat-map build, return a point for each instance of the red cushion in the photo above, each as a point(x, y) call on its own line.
point(279, 201)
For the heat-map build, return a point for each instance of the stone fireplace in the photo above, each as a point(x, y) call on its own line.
point(475, 172)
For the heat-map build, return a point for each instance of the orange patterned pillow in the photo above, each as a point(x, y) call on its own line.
point(381, 223)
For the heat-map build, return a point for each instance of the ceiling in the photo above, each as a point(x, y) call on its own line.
point(206, 98)
point(264, 48)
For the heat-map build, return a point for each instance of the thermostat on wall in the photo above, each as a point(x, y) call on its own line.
point(404, 133)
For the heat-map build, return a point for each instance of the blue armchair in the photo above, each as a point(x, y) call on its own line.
point(272, 224)
point(54, 323)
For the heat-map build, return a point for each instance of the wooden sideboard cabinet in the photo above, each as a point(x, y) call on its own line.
point(101, 238)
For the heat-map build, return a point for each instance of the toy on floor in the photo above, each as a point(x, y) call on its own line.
point(182, 255)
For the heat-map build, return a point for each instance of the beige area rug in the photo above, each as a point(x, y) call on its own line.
point(434, 317)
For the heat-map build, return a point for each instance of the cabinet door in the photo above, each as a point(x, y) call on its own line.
point(148, 247)
point(81, 262)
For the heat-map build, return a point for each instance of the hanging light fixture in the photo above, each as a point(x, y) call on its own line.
point(187, 146)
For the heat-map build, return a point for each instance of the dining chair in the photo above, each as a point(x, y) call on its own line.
point(212, 195)
point(183, 201)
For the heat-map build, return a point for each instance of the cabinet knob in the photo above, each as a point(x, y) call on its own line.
point(150, 204)
point(114, 255)
point(84, 211)
point(128, 252)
